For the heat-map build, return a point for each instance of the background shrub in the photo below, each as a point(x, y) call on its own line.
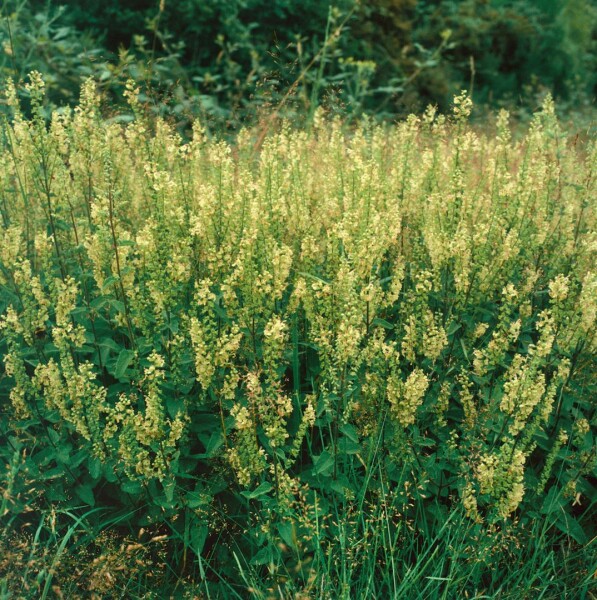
point(229, 61)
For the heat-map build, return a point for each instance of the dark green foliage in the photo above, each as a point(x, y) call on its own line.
point(511, 48)
point(230, 60)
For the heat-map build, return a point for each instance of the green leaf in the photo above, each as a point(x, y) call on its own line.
point(108, 342)
point(214, 443)
point(55, 492)
point(131, 487)
point(570, 526)
point(262, 489)
point(77, 458)
point(195, 499)
point(108, 282)
point(341, 485)
point(85, 492)
point(54, 436)
point(264, 556)
point(287, 531)
point(169, 488)
point(174, 405)
point(464, 349)
point(117, 304)
point(124, 360)
point(323, 463)
point(552, 502)
point(350, 432)
point(220, 311)
point(382, 323)
point(63, 453)
point(99, 302)
point(95, 467)
point(198, 536)
point(348, 446)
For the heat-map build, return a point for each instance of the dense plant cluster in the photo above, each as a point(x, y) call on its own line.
point(328, 362)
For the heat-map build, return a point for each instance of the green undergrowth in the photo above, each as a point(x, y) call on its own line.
point(334, 362)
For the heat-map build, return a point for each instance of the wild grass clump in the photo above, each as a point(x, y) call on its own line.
point(335, 364)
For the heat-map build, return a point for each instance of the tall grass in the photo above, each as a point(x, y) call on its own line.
point(334, 363)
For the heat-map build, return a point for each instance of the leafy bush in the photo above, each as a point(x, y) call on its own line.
point(500, 48)
point(231, 62)
point(324, 362)
point(44, 40)
point(192, 58)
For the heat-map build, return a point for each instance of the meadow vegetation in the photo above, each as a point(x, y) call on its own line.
point(320, 362)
